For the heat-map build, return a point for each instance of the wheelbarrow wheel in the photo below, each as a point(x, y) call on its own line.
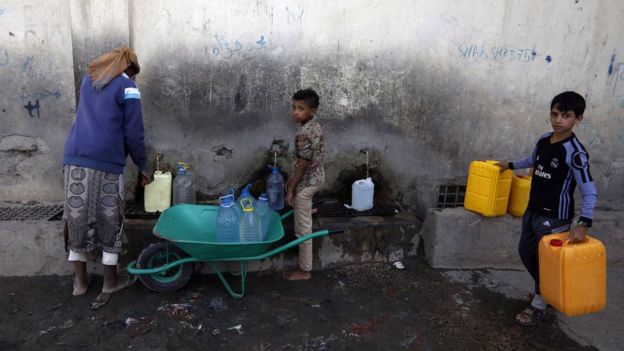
point(157, 255)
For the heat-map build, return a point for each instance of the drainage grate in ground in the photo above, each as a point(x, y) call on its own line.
point(136, 210)
point(337, 209)
point(451, 196)
point(30, 213)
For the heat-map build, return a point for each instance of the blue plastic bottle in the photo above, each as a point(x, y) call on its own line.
point(263, 210)
point(275, 189)
point(227, 221)
point(249, 228)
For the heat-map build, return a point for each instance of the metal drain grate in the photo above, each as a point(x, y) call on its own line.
point(337, 209)
point(136, 210)
point(30, 213)
point(451, 196)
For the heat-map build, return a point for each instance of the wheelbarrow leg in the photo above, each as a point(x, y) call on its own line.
point(243, 275)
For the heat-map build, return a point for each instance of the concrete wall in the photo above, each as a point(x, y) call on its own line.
point(36, 99)
point(97, 27)
point(425, 86)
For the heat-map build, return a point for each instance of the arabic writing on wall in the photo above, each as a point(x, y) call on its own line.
point(227, 48)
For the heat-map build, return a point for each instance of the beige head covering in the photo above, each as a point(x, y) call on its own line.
point(108, 66)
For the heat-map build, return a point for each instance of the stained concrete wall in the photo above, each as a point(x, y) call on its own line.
point(425, 86)
point(97, 27)
point(36, 99)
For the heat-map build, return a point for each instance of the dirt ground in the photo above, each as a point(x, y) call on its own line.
point(362, 307)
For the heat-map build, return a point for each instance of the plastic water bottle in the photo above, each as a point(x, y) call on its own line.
point(264, 213)
point(227, 221)
point(275, 189)
point(249, 227)
point(245, 194)
point(183, 187)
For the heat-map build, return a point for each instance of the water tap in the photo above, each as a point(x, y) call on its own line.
point(158, 158)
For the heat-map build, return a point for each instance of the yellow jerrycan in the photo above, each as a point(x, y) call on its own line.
point(158, 192)
point(573, 277)
point(519, 195)
point(488, 188)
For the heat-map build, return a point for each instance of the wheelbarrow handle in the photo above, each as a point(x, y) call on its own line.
point(336, 230)
point(290, 212)
point(133, 270)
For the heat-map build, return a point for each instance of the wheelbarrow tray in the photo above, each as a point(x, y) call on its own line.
point(193, 229)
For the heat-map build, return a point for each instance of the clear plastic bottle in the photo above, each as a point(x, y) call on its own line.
point(264, 213)
point(249, 228)
point(275, 189)
point(183, 192)
point(227, 221)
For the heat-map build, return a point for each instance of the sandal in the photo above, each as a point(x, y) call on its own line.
point(100, 300)
point(528, 297)
point(103, 297)
point(530, 316)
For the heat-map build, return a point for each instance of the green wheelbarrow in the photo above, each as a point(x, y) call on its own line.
point(190, 236)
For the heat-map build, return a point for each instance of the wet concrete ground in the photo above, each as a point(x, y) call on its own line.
point(363, 307)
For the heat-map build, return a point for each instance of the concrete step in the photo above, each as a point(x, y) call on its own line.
point(36, 247)
point(458, 239)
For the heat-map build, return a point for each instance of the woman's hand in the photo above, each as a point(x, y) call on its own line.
point(146, 178)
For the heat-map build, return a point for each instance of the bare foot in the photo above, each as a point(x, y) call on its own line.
point(81, 286)
point(298, 275)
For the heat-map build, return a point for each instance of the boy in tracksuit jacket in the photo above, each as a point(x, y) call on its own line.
point(560, 163)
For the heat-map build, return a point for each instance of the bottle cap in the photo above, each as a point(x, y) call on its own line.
point(556, 242)
point(263, 197)
point(182, 167)
point(247, 205)
point(227, 200)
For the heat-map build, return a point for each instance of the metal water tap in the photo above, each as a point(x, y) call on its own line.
point(159, 156)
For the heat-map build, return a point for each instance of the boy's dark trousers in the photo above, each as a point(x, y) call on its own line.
point(534, 227)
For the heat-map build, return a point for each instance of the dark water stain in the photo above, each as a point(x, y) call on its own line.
point(240, 100)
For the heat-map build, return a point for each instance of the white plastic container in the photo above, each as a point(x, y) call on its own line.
point(158, 193)
point(362, 192)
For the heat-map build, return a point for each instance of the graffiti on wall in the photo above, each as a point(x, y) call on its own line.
point(229, 47)
point(33, 108)
point(485, 52)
